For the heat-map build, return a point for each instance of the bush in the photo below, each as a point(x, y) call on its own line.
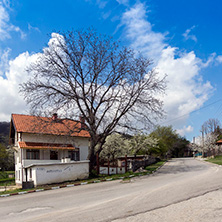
point(3, 175)
point(7, 181)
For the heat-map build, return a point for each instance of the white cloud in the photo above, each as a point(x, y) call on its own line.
point(6, 3)
point(30, 28)
point(188, 36)
point(185, 130)
point(101, 3)
point(186, 90)
point(139, 30)
point(106, 15)
point(4, 61)
point(5, 26)
point(219, 58)
point(10, 99)
point(16, 73)
point(123, 2)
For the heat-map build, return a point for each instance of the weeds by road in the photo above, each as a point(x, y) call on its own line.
point(216, 160)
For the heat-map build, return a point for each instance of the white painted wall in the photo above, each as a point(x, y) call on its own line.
point(27, 163)
point(78, 142)
point(55, 173)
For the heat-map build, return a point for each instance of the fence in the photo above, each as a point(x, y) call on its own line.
point(111, 170)
point(125, 164)
point(136, 164)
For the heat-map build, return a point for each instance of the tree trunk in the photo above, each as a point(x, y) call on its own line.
point(92, 155)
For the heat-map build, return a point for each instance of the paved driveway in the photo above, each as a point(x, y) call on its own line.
point(183, 190)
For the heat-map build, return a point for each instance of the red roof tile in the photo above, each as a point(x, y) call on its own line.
point(219, 141)
point(30, 145)
point(45, 125)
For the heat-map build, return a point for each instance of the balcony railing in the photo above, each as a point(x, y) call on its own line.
point(28, 162)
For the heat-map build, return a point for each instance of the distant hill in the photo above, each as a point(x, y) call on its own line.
point(4, 132)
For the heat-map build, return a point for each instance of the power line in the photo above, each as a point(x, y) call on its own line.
point(179, 117)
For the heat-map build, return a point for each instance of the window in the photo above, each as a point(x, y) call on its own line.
point(53, 155)
point(73, 155)
point(32, 154)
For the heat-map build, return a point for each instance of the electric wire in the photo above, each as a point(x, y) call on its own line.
point(179, 117)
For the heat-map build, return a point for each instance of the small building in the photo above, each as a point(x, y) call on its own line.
point(48, 149)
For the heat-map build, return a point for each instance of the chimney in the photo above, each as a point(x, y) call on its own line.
point(82, 121)
point(54, 116)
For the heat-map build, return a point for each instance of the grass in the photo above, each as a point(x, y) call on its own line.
point(4, 178)
point(93, 177)
point(7, 181)
point(216, 160)
point(14, 191)
point(3, 175)
point(153, 167)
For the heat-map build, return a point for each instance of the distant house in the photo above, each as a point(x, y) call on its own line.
point(49, 150)
point(219, 142)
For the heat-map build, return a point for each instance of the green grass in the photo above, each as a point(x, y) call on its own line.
point(216, 160)
point(3, 175)
point(153, 167)
point(14, 191)
point(4, 178)
point(7, 181)
point(93, 177)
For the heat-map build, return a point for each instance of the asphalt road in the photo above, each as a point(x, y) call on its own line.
point(182, 190)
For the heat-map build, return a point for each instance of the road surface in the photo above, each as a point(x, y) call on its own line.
point(183, 190)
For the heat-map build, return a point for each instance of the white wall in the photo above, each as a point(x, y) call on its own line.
point(31, 162)
point(55, 173)
point(112, 170)
point(78, 142)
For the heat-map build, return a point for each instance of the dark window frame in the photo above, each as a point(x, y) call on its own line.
point(32, 154)
point(74, 155)
point(54, 155)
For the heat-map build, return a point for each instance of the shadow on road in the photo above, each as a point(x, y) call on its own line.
point(183, 165)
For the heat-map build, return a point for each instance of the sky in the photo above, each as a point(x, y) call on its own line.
point(182, 38)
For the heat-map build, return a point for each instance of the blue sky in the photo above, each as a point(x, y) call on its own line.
point(183, 38)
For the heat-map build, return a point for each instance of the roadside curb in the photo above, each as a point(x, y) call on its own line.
point(213, 164)
point(153, 173)
point(80, 184)
point(62, 186)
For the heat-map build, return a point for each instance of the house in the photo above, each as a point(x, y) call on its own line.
point(49, 150)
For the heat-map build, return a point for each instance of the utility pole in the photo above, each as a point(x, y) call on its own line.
point(202, 131)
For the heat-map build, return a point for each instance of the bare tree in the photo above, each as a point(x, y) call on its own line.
point(84, 73)
point(210, 131)
point(211, 126)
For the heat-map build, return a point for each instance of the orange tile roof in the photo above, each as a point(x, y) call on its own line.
point(31, 145)
point(46, 125)
point(219, 141)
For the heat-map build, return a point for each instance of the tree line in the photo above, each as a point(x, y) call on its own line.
point(163, 143)
point(6, 153)
point(211, 133)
